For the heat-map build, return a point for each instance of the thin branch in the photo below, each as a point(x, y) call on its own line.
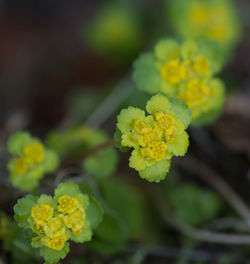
point(187, 230)
point(202, 171)
point(72, 161)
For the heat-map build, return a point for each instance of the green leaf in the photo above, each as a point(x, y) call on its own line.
point(124, 199)
point(158, 102)
point(51, 161)
point(127, 117)
point(17, 243)
point(146, 74)
point(53, 256)
point(102, 164)
point(118, 139)
point(193, 204)
point(182, 111)
point(180, 144)
point(66, 188)
point(167, 48)
point(46, 199)
point(94, 212)
point(17, 141)
point(85, 236)
point(23, 210)
point(110, 235)
point(156, 172)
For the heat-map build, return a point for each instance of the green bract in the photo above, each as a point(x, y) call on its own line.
point(156, 137)
point(186, 72)
point(30, 161)
point(216, 20)
point(77, 140)
point(56, 220)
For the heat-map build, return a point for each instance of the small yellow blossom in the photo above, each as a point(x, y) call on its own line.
point(141, 127)
point(22, 165)
point(67, 204)
point(55, 242)
point(42, 213)
point(53, 226)
point(75, 221)
point(155, 152)
point(169, 135)
point(34, 152)
point(173, 72)
point(201, 65)
point(196, 94)
point(164, 121)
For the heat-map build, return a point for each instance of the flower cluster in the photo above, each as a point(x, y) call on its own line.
point(55, 220)
point(211, 19)
point(30, 161)
point(183, 71)
point(155, 137)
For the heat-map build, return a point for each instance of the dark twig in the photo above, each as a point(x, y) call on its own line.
point(202, 171)
point(187, 230)
point(73, 161)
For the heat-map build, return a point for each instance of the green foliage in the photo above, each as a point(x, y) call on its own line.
point(155, 138)
point(193, 204)
point(30, 161)
point(124, 216)
point(77, 140)
point(184, 71)
point(16, 241)
point(102, 164)
point(69, 215)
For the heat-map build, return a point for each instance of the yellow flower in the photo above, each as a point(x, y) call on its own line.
point(150, 138)
point(22, 165)
point(42, 213)
point(169, 135)
point(141, 127)
point(34, 152)
point(173, 72)
point(164, 121)
point(156, 152)
point(67, 204)
point(201, 65)
point(75, 221)
point(53, 226)
point(55, 242)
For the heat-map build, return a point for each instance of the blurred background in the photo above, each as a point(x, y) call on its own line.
point(59, 60)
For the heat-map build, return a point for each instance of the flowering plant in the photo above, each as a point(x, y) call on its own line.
point(156, 137)
point(186, 72)
point(30, 161)
point(56, 220)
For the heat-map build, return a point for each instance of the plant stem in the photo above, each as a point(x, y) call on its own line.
point(72, 161)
